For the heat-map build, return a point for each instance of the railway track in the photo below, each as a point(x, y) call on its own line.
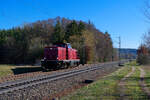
point(24, 83)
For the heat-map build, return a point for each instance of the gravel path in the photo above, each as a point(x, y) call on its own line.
point(142, 83)
point(122, 85)
point(57, 88)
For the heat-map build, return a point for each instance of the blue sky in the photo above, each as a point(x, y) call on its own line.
point(119, 17)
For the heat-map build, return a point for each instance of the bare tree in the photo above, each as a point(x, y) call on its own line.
point(146, 12)
point(146, 9)
point(146, 39)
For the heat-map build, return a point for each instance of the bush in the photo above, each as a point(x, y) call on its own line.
point(33, 55)
point(143, 59)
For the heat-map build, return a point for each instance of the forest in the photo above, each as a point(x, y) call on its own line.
point(25, 44)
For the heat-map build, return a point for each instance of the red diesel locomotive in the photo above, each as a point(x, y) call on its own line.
point(60, 56)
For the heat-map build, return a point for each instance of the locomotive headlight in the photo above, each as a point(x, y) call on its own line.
point(57, 57)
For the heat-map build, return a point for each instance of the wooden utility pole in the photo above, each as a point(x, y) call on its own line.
point(119, 50)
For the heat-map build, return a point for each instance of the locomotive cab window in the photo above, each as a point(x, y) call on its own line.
point(60, 45)
point(69, 46)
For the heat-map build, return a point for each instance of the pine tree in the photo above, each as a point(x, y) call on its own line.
point(58, 35)
point(72, 29)
point(81, 27)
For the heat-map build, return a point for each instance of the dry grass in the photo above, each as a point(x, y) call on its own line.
point(104, 89)
point(107, 88)
point(6, 70)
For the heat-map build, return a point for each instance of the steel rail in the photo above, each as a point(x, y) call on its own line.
point(24, 83)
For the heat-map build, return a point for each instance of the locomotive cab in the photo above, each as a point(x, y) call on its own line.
point(59, 56)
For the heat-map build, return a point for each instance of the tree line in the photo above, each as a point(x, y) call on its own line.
point(144, 50)
point(25, 44)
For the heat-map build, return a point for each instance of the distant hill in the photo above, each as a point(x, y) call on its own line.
point(128, 53)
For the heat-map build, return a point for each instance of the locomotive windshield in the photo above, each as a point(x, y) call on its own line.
point(60, 45)
point(69, 46)
point(63, 45)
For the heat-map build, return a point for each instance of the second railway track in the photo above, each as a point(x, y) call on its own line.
point(24, 83)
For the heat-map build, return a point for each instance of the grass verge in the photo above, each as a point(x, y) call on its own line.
point(6, 70)
point(104, 89)
point(147, 75)
point(133, 89)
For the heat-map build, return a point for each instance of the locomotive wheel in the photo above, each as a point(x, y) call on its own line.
point(45, 69)
point(64, 66)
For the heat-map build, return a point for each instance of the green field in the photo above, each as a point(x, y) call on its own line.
point(108, 88)
point(6, 70)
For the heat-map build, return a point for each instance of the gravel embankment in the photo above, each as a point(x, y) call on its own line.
point(33, 74)
point(57, 88)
